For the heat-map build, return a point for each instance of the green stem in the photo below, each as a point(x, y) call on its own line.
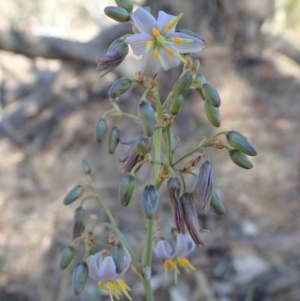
point(194, 150)
point(135, 118)
point(169, 145)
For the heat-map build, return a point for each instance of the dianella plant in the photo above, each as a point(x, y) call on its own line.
point(107, 260)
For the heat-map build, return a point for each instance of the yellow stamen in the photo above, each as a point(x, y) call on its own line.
point(170, 51)
point(122, 285)
point(149, 43)
point(101, 285)
point(156, 54)
point(112, 286)
point(155, 32)
point(177, 40)
point(185, 264)
point(170, 25)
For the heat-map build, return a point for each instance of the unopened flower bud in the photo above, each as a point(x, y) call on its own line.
point(241, 143)
point(199, 81)
point(182, 85)
point(211, 95)
point(126, 4)
point(190, 33)
point(118, 255)
point(126, 189)
point(240, 159)
point(150, 201)
point(118, 14)
point(205, 184)
point(143, 146)
point(100, 129)
point(119, 87)
point(212, 113)
point(176, 104)
point(113, 139)
point(78, 222)
point(66, 257)
point(191, 218)
point(80, 276)
point(86, 167)
point(129, 160)
point(147, 117)
point(217, 204)
point(73, 195)
point(173, 188)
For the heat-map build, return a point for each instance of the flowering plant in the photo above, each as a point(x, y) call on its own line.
point(162, 46)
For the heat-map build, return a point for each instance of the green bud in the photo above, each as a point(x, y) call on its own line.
point(176, 104)
point(173, 188)
point(119, 87)
point(190, 33)
point(113, 139)
point(147, 117)
point(118, 255)
point(66, 257)
point(73, 195)
point(126, 189)
point(80, 276)
point(86, 167)
point(217, 204)
point(118, 14)
point(100, 129)
point(143, 146)
point(126, 4)
point(182, 85)
point(78, 222)
point(241, 143)
point(212, 113)
point(211, 95)
point(240, 159)
point(150, 201)
point(199, 80)
point(195, 67)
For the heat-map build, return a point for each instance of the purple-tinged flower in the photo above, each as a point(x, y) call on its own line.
point(103, 269)
point(175, 258)
point(159, 43)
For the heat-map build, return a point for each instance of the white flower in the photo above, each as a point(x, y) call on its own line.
point(102, 268)
point(177, 257)
point(158, 41)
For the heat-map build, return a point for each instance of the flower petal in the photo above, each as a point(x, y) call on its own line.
point(143, 20)
point(94, 263)
point(138, 42)
point(163, 249)
point(107, 269)
point(127, 261)
point(169, 60)
point(184, 245)
point(163, 20)
point(150, 64)
point(195, 46)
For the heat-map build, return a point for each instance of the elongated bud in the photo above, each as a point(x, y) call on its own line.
point(150, 201)
point(78, 222)
point(205, 185)
point(212, 113)
point(129, 160)
point(86, 167)
point(211, 95)
point(66, 257)
point(199, 81)
point(191, 218)
point(118, 14)
point(240, 159)
point(176, 104)
point(182, 85)
point(126, 4)
point(113, 139)
point(80, 276)
point(118, 255)
point(119, 87)
point(173, 188)
point(190, 33)
point(73, 195)
point(147, 117)
point(143, 146)
point(126, 189)
point(217, 204)
point(241, 143)
point(100, 129)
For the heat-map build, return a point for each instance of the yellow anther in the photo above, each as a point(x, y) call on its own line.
point(177, 40)
point(122, 285)
point(156, 53)
point(149, 43)
point(170, 25)
point(101, 285)
point(155, 32)
point(182, 261)
point(111, 286)
point(170, 51)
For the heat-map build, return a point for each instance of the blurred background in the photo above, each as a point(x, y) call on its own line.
point(51, 98)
